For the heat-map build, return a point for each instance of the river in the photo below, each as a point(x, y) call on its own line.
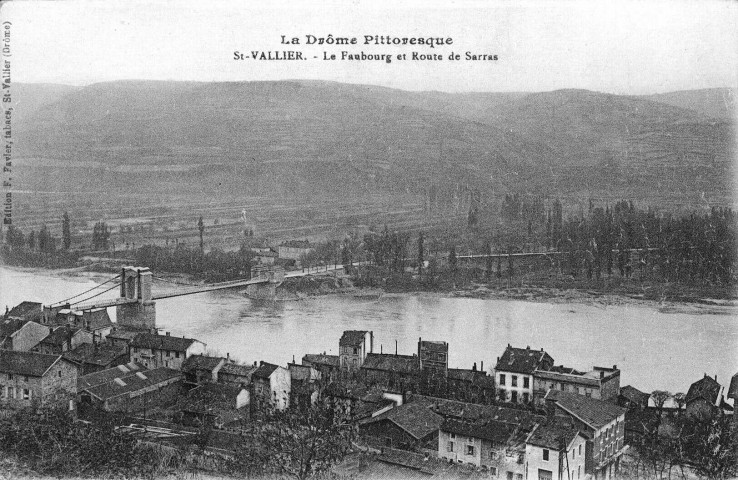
point(654, 348)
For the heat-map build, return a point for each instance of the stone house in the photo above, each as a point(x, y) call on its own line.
point(305, 385)
point(154, 351)
point(353, 348)
point(271, 386)
point(601, 382)
point(704, 397)
point(556, 450)
point(514, 372)
point(327, 365)
point(399, 373)
point(134, 391)
point(236, 374)
point(199, 369)
point(295, 250)
point(482, 443)
point(602, 422)
point(409, 427)
point(63, 339)
point(29, 378)
point(219, 405)
point(93, 357)
point(27, 311)
point(21, 335)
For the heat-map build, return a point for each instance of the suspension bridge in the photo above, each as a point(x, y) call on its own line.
point(135, 302)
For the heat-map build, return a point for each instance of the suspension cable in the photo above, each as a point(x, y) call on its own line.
point(97, 294)
point(87, 291)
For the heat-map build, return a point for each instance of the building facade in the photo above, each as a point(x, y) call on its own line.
point(514, 373)
point(353, 348)
point(154, 351)
point(602, 383)
point(28, 379)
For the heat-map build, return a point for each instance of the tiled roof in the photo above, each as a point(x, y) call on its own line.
point(60, 335)
point(102, 354)
point(522, 360)
point(210, 398)
point(120, 334)
point(161, 342)
point(706, 388)
point(201, 362)
point(553, 434)
point(352, 338)
point(473, 411)
point(26, 363)
point(27, 311)
point(432, 346)
point(475, 377)
point(238, 370)
point(265, 370)
point(321, 359)
point(302, 373)
point(634, 395)
point(595, 413)
point(391, 363)
point(414, 418)
point(104, 376)
point(133, 382)
point(10, 326)
point(733, 389)
point(494, 431)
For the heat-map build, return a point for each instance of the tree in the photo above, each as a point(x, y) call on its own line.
point(711, 445)
point(659, 398)
point(100, 236)
point(421, 254)
point(296, 443)
point(31, 240)
point(66, 232)
point(452, 259)
point(201, 227)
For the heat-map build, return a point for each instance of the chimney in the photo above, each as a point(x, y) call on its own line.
point(602, 374)
point(168, 334)
point(614, 367)
point(395, 347)
point(541, 348)
point(380, 349)
point(254, 362)
point(716, 378)
point(481, 366)
point(228, 356)
point(527, 347)
point(293, 359)
point(474, 367)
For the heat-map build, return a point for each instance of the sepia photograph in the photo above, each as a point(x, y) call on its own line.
point(369, 240)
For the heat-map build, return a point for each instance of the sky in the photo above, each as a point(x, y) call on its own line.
point(623, 47)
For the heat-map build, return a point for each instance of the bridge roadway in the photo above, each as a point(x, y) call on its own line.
point(105, 303)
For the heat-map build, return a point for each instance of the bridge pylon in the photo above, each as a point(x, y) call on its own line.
point(136, 285)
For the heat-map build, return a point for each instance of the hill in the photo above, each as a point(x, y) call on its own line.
point(208, 147)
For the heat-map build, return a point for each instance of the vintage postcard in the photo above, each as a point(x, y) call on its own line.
point(363, 239)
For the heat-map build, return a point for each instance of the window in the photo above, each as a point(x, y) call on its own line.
point(562, 386)
point(26, 394)
point(492, 455)
point(580, 449)
point(502, 379)
point(509, 475)
point(493, 471)
point(518, 476)
point(526, 382)
point(526, 397)
point(545, 474)
point(579, 471)
point(450, 446)
point(588, 394)
point(11, 392)
point(470, 449)
point(453, 435)
point(356, 351)
point(2, 392)
point(514, 381)
point(176, 355)
point(10, 376)
point(59, 373)
point(514, 398)
point(545, 455)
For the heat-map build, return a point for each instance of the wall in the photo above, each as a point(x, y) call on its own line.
point(607, 443)
point(388, 434)
point(460, 448)
point(520, 389)
point(59, 385)
point(280, 384)
point(534, 461)
point(162, 394)
point(14, 399)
